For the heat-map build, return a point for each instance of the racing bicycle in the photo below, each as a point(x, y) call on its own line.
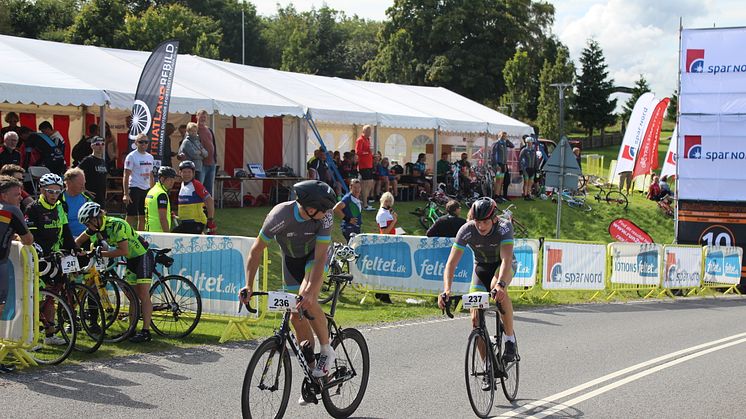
point(268, 380)
point(612, 196)
point(519, 230)
point(576, 202)
point(339, 262)
point(481, 372)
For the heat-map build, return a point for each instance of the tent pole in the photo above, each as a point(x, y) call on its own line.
point(101, 125)
point(375, 138)
point(435, 159)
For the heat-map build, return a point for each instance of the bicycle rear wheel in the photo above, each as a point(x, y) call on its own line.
point(121, 308)
point(62, 325)
point(509, 378)
point(266, 385)
point(349, 376)
point(91, 319)
point(426, 222)
point(519, 229)
point(177, 306)
point(617, 198)
point(480, 381)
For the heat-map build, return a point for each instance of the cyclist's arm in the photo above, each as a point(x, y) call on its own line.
point(210, 204)
point(68, 241)
point(82, 239)
point(505, 273)
point(255, 258)
point(453, 259)
point(163, 212)
point(121, 250)
point(126, 182)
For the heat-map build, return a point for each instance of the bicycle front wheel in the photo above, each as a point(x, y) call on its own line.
point(266, 385)
point(91, 319)
point(177, 306)
point(56, 337)
point(617, 198)
point(121, 308)
point(426, 222)
point(509, 379)
point(480, 381)
point(349, 375)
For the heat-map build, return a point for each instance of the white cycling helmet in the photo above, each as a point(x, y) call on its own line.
point(51, 179)
point(88, 211)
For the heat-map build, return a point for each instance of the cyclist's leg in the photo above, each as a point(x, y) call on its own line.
point(293, 270)
point(140, 275)
point(318, 323)
point(484, 273)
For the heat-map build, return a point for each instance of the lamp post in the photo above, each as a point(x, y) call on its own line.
point(561, 89)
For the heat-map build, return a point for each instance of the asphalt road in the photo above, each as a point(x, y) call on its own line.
point(654, 359)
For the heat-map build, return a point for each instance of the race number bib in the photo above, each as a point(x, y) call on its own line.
point(281, 301)
point(70, 264)
point(476, 300)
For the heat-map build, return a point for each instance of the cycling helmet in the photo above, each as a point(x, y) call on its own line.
point(51, 179)
point(483, 208)
point(167, 172)
point(187, 164)
point(315, 194)
point(88, 211)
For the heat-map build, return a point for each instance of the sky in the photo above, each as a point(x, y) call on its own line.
point(636, 36)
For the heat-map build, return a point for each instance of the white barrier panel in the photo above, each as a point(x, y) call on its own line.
point(683, 266)
point(216, 265)
point(11, 319)
point(525, 262)
point(574, 266)
point(723, 264)
point(636, 263)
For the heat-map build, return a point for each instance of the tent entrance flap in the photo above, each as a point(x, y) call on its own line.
point(329, 160)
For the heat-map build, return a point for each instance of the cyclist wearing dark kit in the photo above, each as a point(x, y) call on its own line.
point(491, 240)
point(302, 228)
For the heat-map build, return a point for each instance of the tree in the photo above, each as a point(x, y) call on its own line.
point(40, 19)
point(593, 108)
point(517, 84)
point(100, 23)
point(457, 44)
point(673, 107)
point(641, 87)
point(562, 70)
point(198, 35)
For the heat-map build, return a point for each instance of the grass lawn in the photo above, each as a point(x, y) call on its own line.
point(538, 216)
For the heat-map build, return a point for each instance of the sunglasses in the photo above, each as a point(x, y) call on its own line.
point(142, 142)
point(53, 191)
point(99, 143)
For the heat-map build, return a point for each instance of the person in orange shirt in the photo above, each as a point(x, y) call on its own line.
point(365, 165)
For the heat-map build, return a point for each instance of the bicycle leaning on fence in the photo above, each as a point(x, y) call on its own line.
point(484, 362)
point(339, 263)
point(268, 379)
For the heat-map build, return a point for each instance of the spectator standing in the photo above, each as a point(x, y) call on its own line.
point(393, 179)
point(157, 204)
point(112, 150)
point(318, 163)
point(94, 167)
point(83, 148)
point(449, 224)
point(365, 164)
point(191, 149)
point(386, 219)
point(46, 148)
point(350, 209)
point(193, 199)
point(74, 197)
point(11, 224)
point(9, 154)
point(207, 136)
point(17, 173)
point(168, 154)
point(528, 164)
point(499, 159)
point(138, 179)
point(625, 179)
point(12, 119)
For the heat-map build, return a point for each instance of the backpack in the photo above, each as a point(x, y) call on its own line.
point(493, 154)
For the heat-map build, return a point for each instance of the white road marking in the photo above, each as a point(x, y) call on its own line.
point(400, 325)
point(553, 398)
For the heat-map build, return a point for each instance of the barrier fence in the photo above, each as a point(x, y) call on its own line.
point(18, 330)
point(634, 267)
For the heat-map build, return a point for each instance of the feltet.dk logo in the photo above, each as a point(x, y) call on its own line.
point(695, 61)
point(692, 146)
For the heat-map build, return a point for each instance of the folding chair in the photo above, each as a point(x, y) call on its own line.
point(36, 173)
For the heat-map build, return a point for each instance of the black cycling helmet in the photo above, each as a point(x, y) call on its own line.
point(167, 172)
point(187, 164)
point(483, 208)
point(315, 194)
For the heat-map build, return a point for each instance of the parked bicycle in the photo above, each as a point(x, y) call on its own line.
point(576, 202)
point(611, 196)
point(484, 356)
point(339, 263)
point(268, 379)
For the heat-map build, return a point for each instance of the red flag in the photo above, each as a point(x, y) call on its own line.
point(648, 153)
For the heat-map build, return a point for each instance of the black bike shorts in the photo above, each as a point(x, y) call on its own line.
point(140, 269)
point(137, 206)
point(484, 274)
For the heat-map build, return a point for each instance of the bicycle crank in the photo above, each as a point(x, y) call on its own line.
point(309, 391)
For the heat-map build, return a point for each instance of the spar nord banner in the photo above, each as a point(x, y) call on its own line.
point(574, 266)
point(150, 110)
point(642, 112)
point(713, 71)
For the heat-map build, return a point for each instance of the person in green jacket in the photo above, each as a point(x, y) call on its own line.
point(157, 204)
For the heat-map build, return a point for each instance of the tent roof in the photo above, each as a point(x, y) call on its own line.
point(43, 72)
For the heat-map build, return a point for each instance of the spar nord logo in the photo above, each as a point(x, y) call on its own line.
point(695, 61)
point(693, 149)
point(692, 146)
point(629, 152)
point(555, 271)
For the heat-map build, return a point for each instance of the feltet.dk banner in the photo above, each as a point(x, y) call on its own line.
point(150, 110)
point(723, 264)
point(635, 263)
